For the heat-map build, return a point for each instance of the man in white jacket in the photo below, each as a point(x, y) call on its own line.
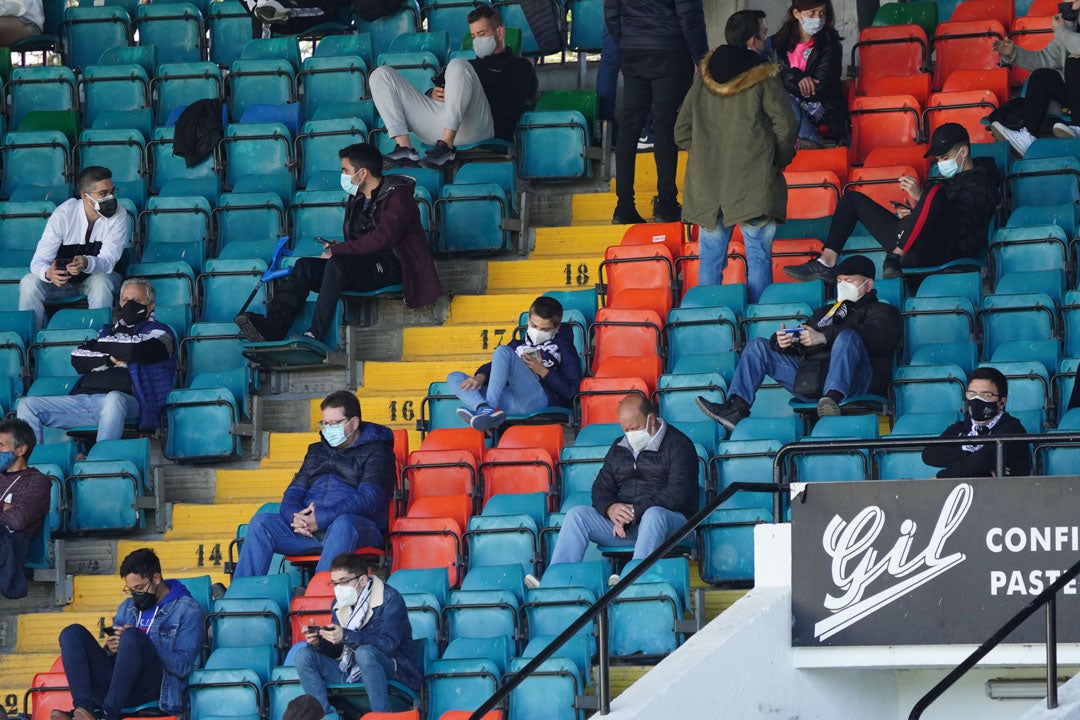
point(20, 20)
point(79, 249)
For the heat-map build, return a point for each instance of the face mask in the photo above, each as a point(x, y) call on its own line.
point(347, 184)
point(981, 410)
point(812, 26)
point(766, 52)
point(484, 46)
point(539, 337)
point(334, 434)
point(132, 313)
point(144, 600)
point(106, 206)
point(7, 458)
point(949, 166)
point(638, 439)
point(346, 595)
point(846, 291)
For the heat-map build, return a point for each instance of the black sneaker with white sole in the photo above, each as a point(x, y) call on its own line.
point(438, 156)
point(400, 153)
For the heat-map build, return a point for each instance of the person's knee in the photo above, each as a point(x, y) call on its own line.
point(343, 527)
point(115, 402)
point(27, 408)
point(73, 632)
point(576, 516)
point(30, 285)
point(366, 655)
point(847, 341)
point(380, 77)
point(652, 517)
point(458, 68)
point(757, 346)
point(305, 656)
point(503, 352)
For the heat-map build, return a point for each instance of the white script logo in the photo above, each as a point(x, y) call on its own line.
point(855, 564)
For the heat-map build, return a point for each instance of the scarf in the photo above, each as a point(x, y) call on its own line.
point(977, 430)
point(350, 673)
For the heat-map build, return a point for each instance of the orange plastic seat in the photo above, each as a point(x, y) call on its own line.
point(420, 543)
point(637, 276)
point(965, 46)
point(1004, 11)
point(401, 449)
point(403, 715)
point(309, 610)
point(318, 585)
point(917, 86)
point(890, 51)
point(455, 439)
point(518, 470)
point(966, 108)
point(831, 159)
point(466, 714)
point(734, 271)
point(792, 251)
point(625, 333)
point(307, 563)
point(599, 397)
point(882, 184)
point(889, 156)
point(888, 121)
point(812, 194)
point(1042, 8)
point(458, 508)
point(647, 368)
point(671, 235)
point(48, 692)
point(1031, 32)
point(547, 437)
point(995, 81)
point(433, 474)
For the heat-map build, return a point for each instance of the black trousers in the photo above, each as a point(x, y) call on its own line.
point(655, 81)
point(923, 235)
point(1046, 84)
point(13, 549)
point(329, 278)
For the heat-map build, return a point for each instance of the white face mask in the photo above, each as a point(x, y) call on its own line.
point(484, 46)
point(347, 184)
point(812, 26)
point(849, 292)
point(539, 337)
point(346, 595)
point(638, 439)
point(949, 166)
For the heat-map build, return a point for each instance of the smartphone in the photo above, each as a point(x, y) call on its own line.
point(530, 355)
point(109, 630)
point(328, 241)
point(897, 205)
point(792, 331)
point(1066, 11)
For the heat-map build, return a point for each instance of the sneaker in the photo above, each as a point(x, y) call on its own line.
point(466, 415)
point(645, 143)
point(1020, 140)
point(613, 580)
point(664, 212)
point(272, 12)
point(249, 326)
point(892, 267)
point(438, 156)
point(813, 270)
point(827, 407)
point(627, 216)
point(487, 418)
point(532, 582)
point(1062, 130)
point(727, 414)
point(400, 153)
point(217, 591)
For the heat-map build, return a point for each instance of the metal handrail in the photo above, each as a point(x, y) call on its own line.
point(598, 610)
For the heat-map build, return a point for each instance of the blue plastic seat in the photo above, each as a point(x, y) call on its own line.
point(425, 593)
point(902, 464)
point(964, 354)
point(418, 68)
point(175, 28)
point(180, 84)
point(229, 25)
point(267, 82)
point(586, 25)
point(825, 466)
point(553, 145)
point(116, 97)
point(1029, 391)
point(318, 145)
point(467, 674)
point(965, 284)
point(929, 424)
point(283, 688)
point(737, 460)
point(259, 157)
point(21, 225)
point(710, 331)
point(40, 88)
point(553, 687)
point(173, 282)
point(51, 350)
point(1063, 216)
point(246, 622)
point(435, 42)
point(447, 16)
point(86, 31)
point(123, 152)
point(578, 466)
point(35, 164)
point(405, 19)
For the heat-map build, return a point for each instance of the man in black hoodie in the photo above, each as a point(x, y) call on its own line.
point(948, 221)
point(472, 100)
point(845, 349)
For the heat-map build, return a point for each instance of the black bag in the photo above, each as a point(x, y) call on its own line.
point(1010, 114)
point(810, 376)
point(372, 10)
point(544, 25)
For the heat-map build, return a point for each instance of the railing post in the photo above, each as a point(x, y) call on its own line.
point(603, 680)
point(1051, 653)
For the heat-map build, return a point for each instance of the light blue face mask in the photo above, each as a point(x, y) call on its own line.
point(334, 434)
point(347, 183)
point(949, 166)
point(7, 458)
point(485, 45)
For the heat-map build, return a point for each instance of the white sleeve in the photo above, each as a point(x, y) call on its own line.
point(56, 230)
point(112, 243)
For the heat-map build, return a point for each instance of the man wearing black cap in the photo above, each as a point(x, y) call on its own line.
point(845, 349)
point(949, 219)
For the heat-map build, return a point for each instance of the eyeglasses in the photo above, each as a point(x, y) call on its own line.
point(103, 193)
point(333, 423)
point(971, 395)
point(335, 583)
point(134, 590)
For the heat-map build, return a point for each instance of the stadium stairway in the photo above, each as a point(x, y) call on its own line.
point(596, 208)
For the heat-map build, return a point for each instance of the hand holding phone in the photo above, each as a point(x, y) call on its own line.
point(897, 205)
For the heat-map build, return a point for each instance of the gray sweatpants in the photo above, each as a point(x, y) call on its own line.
point(404, 108)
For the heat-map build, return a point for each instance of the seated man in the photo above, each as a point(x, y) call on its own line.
point(338, 500)
point(151, 648)
point(369, 639)
point(524, 376)
point(845, 349)
point(24, 502)
point(472, 100)
point(987, 391)
point(645, 490)
point(125, 373)
point(30, 21)
point(79, 248)
point(949, 220)
point(384, 244)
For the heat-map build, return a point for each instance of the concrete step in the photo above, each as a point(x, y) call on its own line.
point(453, 341)
point(38, 632)
point(17, 671)
point(717, 601)
point(576, 240)
point(195, 521)
point(191, 556)
point(257, 486)
point(391, 408)
point(287, 447)
point(596, 208)
point(385, 377)
point(645, 174)
point(484, 308)
point(623, 676)
point(542, 274)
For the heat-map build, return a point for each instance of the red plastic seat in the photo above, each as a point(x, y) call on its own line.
point(307, 563)
point(995, 80)
point(546, 437)
point(625, 333)
point(403, 715)
point(420, 543)
point(966, 108)
point(890, 156)
point(917, 86)
point(599, 397)
point(518, 470)
point(882, 184)
point(309, 610)
point(458, 508)
point(319, 585)
point(792, 251)
point(832, 159)
point(812, 194)
point(1031, 32)
point(638, 277)
point(671, 235)
point(734, 271)
point(401, 449)
point(434, 474)
point(889, 121)
point(890, 51)
point(647, 368)
point(48, 692)
point(456, 439)
point(466, 714)
point(1042, 8)
point(1004, 11)
point(965, 46)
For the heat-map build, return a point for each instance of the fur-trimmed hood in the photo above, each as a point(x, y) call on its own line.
point(729, 70)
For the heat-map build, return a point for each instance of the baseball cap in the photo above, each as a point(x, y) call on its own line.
point(945, 138)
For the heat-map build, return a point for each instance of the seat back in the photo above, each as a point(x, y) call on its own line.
point(883, 121)
point(965, 45)
point(87, 30)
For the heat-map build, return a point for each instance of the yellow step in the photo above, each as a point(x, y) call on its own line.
point(102, 593)
point(453, 341)
point(717, 601)
point(596, 208)
point(486, 308)
point(380, 409)
point(18, 670)
point(38, 632)
point(387, 377)
point(197, 521)
point(287, 447)
point(543, 274)
point(623, 676)
point(645, 174)
point(204, 556)
point(576, 240)
point(263, 485)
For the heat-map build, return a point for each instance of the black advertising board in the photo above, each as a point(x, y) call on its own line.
point(929, 562)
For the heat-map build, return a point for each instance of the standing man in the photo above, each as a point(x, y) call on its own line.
point(739, 129)
point(150, 650)
point(125, 373)
point(659, 41)
point(338, 500)
point(24, 502)
point(384, 244)
point(79, 249)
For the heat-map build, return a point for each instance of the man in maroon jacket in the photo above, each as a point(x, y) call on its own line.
point(384, 244)
point(24, 502)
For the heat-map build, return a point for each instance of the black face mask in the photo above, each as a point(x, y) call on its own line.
point(106, 207)
point(981, 410)
point(132, 313)
point(144, 600)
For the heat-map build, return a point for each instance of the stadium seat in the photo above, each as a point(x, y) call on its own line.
point(933, 320)
point(323, 81)
point(1030, 33)
point(965, 45)
point(966, 108)
point(40, 88)
point(123, 152)
point(812, 194)
point(645, 616)
point(177, 85)
point(737, 460)
point(235, 694)
point(317, 146)
point(886, 121)
point(418, 543)
point(175, 29)
point(251, 218)
point(887, 52)
point(35, 166)
point(1021, 316)
point(259, 158)
point(764, 319)
point(229, 25)
point(499, 539)
point(927, 389)
point(405, 19)
point(638, 277)
point(227, 284)
point(1044, 181)
point(553, 145)
point(86, 30)
point(176, 228)
point(267, 81)
point(170, 176)
point(468, 673)
point(21, 225)
point(727, 544)
point(599, 397)
point(881, 184)
point(102, 496)
point(470, 219)
point(351, 44)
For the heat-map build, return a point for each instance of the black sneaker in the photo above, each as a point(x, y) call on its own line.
point(400, 153)
point(812, 270)
point(438, 156)
point(892, 267)
point(249, 324)
point(665, 212)
point(727, 414)
point(627, 216)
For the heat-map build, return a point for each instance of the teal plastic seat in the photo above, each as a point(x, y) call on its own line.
point(218, 694)
point(967, 285)
point(275, 48)
point(173, 282)
point(40, 88)
point(737, 460)
point(934, 320)
point(324, 81)
point(246, 622)
point(763, 319)
point(51, 350)
point(418, 68)
point(467, 674)
point(645, 615)
point(710, 331)
point(449, 16)
point(175, 28)
point(727, 544)
point(116, 97)
point(317, 146)
point(123, 152)
point(102, 496)
point(267, 82)
point(927, 389)
point(553, 145)
point(34, 165)
point(352, 44)
point(259, 159)
point(1063, 216)
point(1045, 181)
point(170, 176)
point(176, 229)
point(86, 31)
point(21, 225)
point(229, 25)
point(317, 214)
point(1019, 316)
point(179, 84)
point(1029, 392)
point(248, 217)
point(435, 42)
point(927, 424)
point(501, 539)
point(553, 686)
point(470, 219)
point(405, 19)
point(226, 285)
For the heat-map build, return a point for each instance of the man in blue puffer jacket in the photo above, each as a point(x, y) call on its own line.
point(337, 502)
point(149, 651)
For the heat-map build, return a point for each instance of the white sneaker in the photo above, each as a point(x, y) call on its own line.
point(613, 580)
point(1062, 130)
point(531, 581)
point(271, 12)
point(1020, 140)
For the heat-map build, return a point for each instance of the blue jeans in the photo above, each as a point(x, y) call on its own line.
point(316, 671)
point(99, 288)
point(712, 254)
point(512, 387)
point(850, 371)
point(110, 682)
point(106, 410)
point(583, 523)
point(807, 127)
point(268, 533)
